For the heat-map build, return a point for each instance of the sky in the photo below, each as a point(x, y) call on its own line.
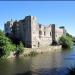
point(61, 13)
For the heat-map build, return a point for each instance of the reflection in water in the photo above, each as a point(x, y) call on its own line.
point(54, 71)
point(53, 63)
point(47, 60)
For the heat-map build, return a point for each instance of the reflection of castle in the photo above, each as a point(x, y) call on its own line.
point(33, 34)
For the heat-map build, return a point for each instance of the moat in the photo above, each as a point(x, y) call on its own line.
point(51, 63)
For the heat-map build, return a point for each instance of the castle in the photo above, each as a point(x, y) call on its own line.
point(33, 34)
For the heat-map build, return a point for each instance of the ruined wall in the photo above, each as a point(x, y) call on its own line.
point(33, 34)
point(41, 35)
point(45, 37)
point(27, 31)
point(58, 33)
point(8, 27)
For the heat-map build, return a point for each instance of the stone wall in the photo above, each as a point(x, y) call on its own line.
point(33, 34)
point(38, 50)
point(43, 49)
point(8, 27)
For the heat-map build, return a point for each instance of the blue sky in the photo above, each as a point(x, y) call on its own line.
point(61, 13)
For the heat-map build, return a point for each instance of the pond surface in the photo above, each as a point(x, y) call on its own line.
point(51, 63)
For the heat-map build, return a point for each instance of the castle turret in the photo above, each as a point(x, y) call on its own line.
point(8, 27)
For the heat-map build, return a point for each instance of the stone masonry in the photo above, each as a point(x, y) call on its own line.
point(33, 34)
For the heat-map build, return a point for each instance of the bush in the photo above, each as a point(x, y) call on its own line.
point(66, 42)
point(6, 45)
point(9, 48)
point(33, 53)
point(19, 49)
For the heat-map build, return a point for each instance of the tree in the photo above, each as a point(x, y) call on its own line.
point(6, 45)
point(66, 42)
point(67, 34)
point(1, 32)
point(8, 48)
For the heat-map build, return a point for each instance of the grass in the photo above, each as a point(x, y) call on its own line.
point(32, 53)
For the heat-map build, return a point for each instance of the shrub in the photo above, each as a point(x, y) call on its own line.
point(19, 49)
point(33, 53)
point(6, 45)
point(66, 42)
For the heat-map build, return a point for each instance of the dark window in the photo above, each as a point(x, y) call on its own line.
point(44, 33)
point(40, 32)
point(38, 44)
point(44, 28)
point(39, 26)
point(50, 34)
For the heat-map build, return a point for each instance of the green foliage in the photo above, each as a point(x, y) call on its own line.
point(6, 45)
point(67, 34)
point(20, 47)
point(66, 41)
point(1, 32)
point(33, 53)
point(8, 48)
point(74, 40)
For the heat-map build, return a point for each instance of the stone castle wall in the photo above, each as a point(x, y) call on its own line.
point(33, 34)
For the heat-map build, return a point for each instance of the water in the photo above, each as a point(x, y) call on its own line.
point(51, 63)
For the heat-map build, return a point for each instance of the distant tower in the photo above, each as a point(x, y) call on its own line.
point(26, 33)
point(34, 32)
point(8, 27)
point(29, 32)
